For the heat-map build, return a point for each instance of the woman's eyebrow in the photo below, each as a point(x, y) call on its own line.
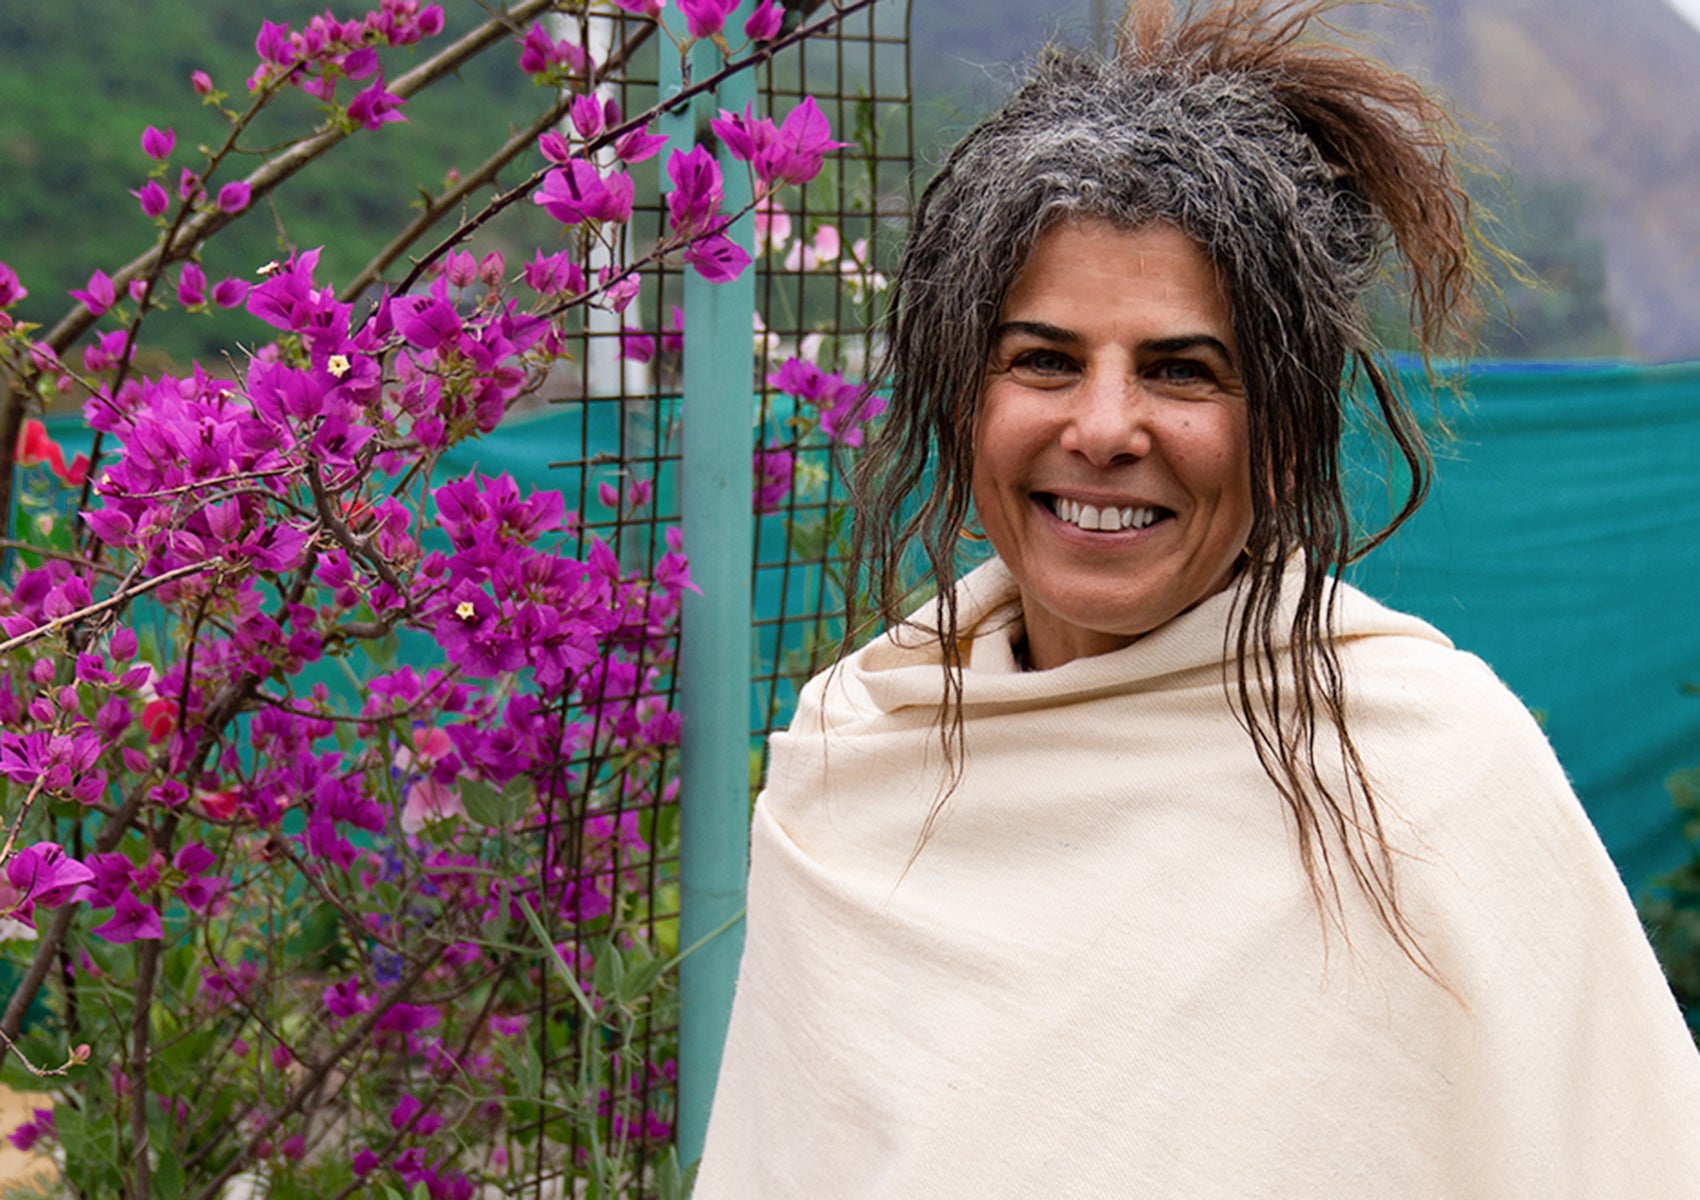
point(1038, 329)
point(1181, 343)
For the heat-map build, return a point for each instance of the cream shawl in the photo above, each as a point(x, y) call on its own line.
point(1105, 974)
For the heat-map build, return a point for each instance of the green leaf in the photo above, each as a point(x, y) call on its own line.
point(492, 809)
point(167, 1179)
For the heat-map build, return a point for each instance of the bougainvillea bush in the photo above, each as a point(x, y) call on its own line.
point(288, 910)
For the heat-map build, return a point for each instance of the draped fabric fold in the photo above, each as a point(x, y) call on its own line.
point(1105, 973)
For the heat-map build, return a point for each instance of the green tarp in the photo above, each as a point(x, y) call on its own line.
point(1560, 544)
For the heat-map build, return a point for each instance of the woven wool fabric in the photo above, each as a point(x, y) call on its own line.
point(1105, 974)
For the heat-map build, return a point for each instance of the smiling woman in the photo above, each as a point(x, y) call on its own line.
point(1149, 859)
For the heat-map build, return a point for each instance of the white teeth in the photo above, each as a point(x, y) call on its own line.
point(1107, 519)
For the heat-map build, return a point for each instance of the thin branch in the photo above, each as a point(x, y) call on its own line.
point(119, 598)
point(360, 1032)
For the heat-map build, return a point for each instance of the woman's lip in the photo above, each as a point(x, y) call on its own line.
point(1095, 499)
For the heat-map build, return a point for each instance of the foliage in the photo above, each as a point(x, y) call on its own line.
point(281, 906)
point(1671, 906)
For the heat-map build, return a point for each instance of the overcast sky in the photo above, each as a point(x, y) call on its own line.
point(1689, 9)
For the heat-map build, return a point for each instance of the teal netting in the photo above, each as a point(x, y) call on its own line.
point(1559, 544)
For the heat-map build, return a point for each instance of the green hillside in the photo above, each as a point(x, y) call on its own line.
point(79, 79)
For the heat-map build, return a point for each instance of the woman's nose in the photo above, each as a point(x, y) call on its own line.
point(1109, 419)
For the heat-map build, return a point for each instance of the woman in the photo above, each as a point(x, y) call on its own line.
point(1208, 877)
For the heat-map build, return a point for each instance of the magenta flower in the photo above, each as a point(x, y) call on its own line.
point(191, 285)
point(636, 345)
point(343, 1000)
point(233, 197)
point(230, 293)
point(153, 198)
point(705, 18)
point(44, 874)
point(374, 108)
point(408, 1018)
point(555, 148)
point(556, 273)
point(792, 153)
point(539, 54)
point(201, 82)
point(718, 259)
point(131, 921)
point(638, 145)
point(157, 144)
point(764, 24)
point(578, 192)
point(274, 45)
point(642, 8)
point(99, 295)
point(587, 115)
point(773, 471)
point(427, 321)
point(695, 199)
point(12, 289)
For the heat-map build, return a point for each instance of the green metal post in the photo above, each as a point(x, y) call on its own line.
point(714, 666)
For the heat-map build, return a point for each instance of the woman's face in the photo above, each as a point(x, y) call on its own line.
point(1111, 470)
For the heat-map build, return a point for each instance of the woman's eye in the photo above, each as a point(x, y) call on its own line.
point(1180, 370)
point(1044, 362)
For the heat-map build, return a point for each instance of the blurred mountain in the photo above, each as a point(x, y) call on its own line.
point(1589, 112)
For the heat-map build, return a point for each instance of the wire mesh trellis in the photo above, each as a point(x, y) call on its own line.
point(817, 288)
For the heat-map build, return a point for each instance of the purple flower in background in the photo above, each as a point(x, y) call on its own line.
point(44, 874)
point(233, 197)
point(408, 1018)
point(764, 24)
point(131, 921)
point(587, 115)
point(156, 143)
point(773, 470)
point(374, 108)
point(343, 1000)
point(230, 293)
point(201, 82)
point(540, 53)
point(642, 8)
point(791, 153)
point(427, 321)
point(11, 289)
point(636, 345)
point(717, 258)
point(637, 145)
point(191, 285)
point(697, 191)
point(705, 18)
point(99, 295)
point(578, 192)
point(152, 197)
